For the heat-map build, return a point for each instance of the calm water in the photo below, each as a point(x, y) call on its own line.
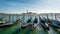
point(15, 29)
point(26, 16)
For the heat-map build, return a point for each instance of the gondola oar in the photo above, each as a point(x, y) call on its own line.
point(35, 23)
point(53, 23)
point(24, 25)
point(44, 23)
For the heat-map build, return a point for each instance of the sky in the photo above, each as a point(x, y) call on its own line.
point(37, 6)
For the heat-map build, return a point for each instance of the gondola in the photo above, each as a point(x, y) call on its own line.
point(9, 24)
point(35, 23)
point(53, 23)
point(43, 23)
point(24, 25)
point(57, 22)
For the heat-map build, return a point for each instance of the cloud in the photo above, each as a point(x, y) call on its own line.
point(42, 6)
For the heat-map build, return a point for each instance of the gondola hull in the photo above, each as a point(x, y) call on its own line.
point(34, 25)
point(24, 25)
point(45, 26)
point(8, 24)
point(44, 23)
point(53, 24)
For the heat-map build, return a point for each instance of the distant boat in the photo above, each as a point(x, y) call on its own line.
point(24, 25)
point(35, 23)
point(53, 23)
point(44, 23)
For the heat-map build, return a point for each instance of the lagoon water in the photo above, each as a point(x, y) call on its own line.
point(13, 17)
point(15, 29)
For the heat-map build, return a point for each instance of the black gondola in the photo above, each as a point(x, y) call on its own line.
point(35, 23)
point(24, 25)
point(9, 24)
point(53, 23)
point(43, 23)
point(57, 22)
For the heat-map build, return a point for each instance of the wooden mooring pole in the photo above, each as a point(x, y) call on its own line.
point(55, 16)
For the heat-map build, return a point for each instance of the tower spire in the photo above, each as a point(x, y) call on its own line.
point(27, 11)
